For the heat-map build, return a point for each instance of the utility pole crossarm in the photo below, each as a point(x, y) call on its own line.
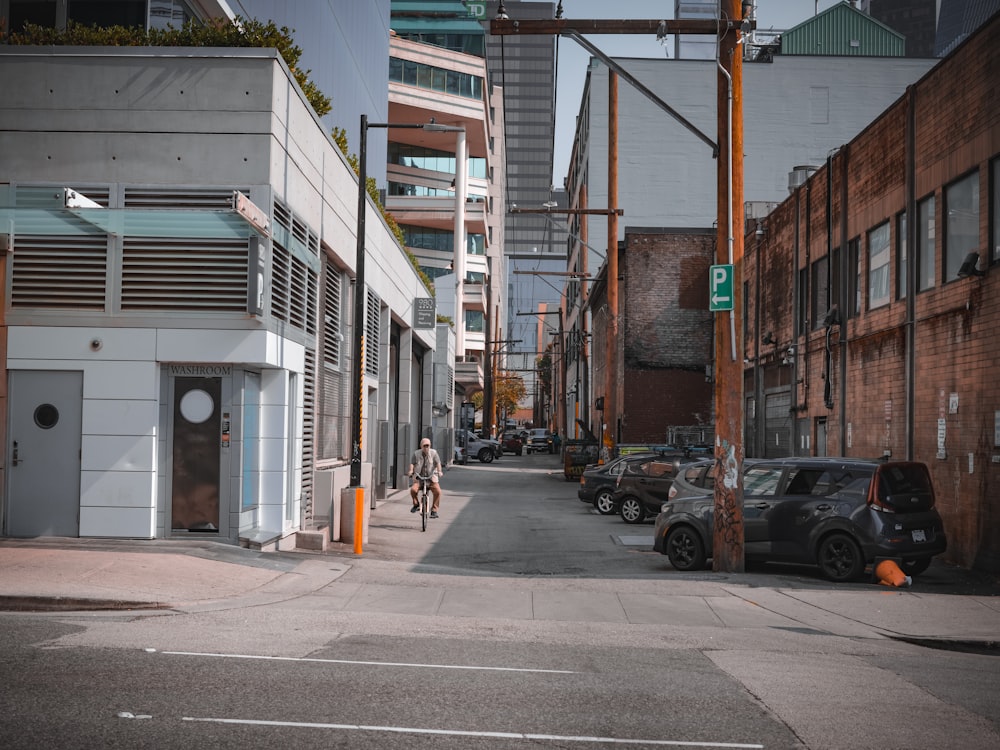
point(571, 211)
point(661, 28)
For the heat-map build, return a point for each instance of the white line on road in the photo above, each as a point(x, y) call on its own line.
point(369, 663)
point(463, 733)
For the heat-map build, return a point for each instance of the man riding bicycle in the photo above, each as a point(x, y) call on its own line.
point(425, 463)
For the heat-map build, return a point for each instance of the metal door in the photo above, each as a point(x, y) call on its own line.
point(43, 453)
point(200, 442)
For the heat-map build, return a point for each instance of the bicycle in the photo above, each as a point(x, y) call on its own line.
point(424, 491)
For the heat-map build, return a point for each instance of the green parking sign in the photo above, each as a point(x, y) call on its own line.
point(720, 288)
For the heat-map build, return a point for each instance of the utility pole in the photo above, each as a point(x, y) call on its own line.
point(611, 405)
point(728, 372)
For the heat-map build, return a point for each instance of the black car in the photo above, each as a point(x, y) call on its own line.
point(597, 483)
point(837, 513)
point(643, 486)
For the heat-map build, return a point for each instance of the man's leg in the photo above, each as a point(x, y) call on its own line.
point(436, 490)
point(413, 496)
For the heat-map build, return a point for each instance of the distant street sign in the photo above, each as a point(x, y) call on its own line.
point(720, 288)
point(424, 316)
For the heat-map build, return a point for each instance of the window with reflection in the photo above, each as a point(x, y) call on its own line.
point(878, 266)
point(901, 255)
point(961, 223)
point(925, 244)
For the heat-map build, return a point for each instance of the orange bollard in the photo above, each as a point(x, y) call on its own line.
point(359, 518)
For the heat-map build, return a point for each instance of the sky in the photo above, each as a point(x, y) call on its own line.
point(572, 63)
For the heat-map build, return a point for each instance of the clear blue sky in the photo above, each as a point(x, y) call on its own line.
point(776, 14)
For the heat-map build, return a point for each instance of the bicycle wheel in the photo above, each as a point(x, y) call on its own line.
point(423, 511)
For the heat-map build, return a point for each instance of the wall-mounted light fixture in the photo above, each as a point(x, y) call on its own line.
point(768, 338)
point(969, 266)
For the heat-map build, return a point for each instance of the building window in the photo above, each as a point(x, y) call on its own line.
point(435, 79)
point(995, 213)
point(475, 321)
point(901, 255)
point(854, 277)
point(925, 244)
point(878, 266)
point(820, 291)
point(961, 223)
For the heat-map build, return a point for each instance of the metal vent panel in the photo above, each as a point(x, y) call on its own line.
point(60, 272)
point(165, 274)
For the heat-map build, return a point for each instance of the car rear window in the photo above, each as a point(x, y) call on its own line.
point(905, 487)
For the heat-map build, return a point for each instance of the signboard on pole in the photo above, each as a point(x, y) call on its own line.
point(424, 313)
point(720, 288)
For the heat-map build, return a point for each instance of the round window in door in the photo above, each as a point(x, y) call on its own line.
point(46, 416)
point(196, 406)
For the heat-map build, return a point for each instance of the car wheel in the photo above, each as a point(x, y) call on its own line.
point(632, 510)
point(486, 456)
point(916, 567)
point(685, 549)
point(840, 558)
point(604, 503)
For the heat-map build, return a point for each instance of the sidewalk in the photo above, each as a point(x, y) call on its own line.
point(947, 606)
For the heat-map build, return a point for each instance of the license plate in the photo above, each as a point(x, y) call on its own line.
point(919, 535)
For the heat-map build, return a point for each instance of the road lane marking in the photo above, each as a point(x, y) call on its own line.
point(469, 733)
point(370, 663)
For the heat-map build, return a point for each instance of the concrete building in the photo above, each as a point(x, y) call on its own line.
point(180, 235)
point(447, 194)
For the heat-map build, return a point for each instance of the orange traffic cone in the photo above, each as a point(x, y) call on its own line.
point(889, 573)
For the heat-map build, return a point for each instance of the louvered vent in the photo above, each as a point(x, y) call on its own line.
point(294, 285)
point(372, 328)
point(60, 272)
point(332, 416)
point(216, 199)
point(332, 333)
point(308, 436)
point(184, 274)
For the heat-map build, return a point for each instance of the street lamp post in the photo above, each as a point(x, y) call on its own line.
point(357, 365)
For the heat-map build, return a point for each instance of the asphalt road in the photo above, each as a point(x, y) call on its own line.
point(308, 673)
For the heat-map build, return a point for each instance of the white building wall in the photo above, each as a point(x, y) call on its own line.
point(240, 105)
point(795, 110)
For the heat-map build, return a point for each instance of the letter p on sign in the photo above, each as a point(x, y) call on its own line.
point(720, 291)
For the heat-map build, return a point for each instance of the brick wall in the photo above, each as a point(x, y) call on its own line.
point(954, 113)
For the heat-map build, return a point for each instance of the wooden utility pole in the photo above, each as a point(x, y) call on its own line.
point(728, 372)
point(611, 406)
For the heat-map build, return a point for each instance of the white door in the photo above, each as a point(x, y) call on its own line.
point(43, 453)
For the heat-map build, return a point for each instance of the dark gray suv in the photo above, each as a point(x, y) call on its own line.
point(837, 513)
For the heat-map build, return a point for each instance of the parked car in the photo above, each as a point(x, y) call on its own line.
point(512, 444)
point(643, 486)
point(837, 513)
point(485, 449)
point(460, 457)
point(539, 441)
point(597, 483)
point(698, 478)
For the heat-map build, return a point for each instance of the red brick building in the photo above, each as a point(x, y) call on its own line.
point(872, 299)
point(666, 333)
